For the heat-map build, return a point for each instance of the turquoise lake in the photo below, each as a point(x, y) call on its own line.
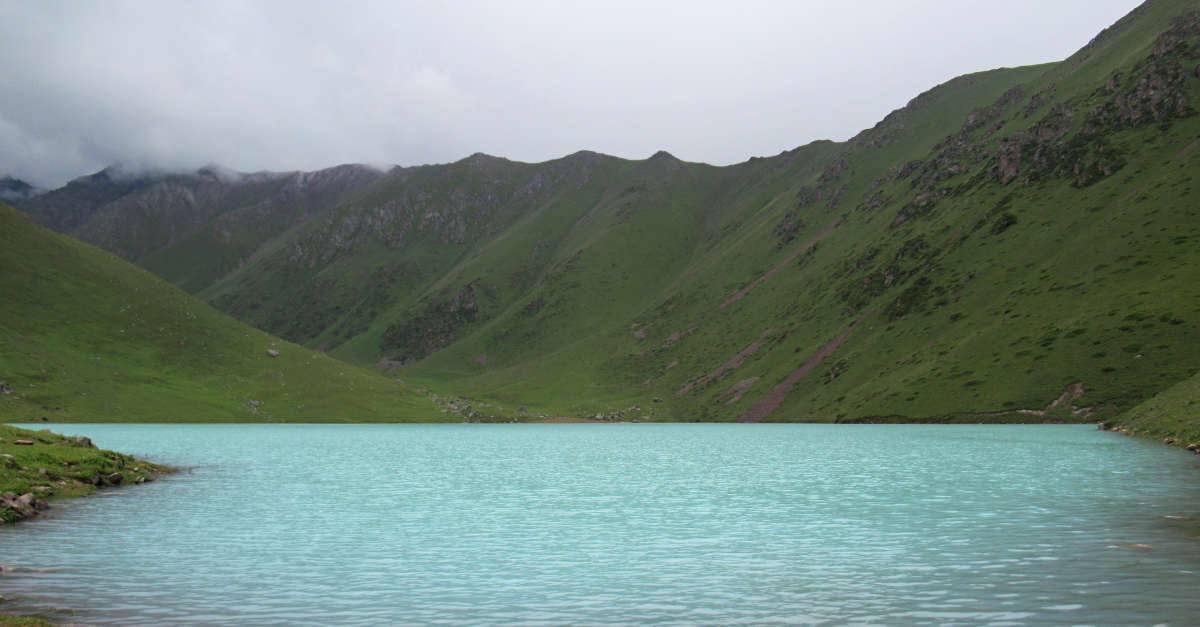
point(621, 524)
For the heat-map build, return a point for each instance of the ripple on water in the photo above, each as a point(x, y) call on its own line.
point(621, 524)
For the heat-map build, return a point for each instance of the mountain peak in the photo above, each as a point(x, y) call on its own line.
point(482, 157)
point(14, 189)
point(661, 165)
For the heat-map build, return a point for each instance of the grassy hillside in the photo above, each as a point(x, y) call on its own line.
point(1004, 237)
point(85, 336)
point(1172, 415)
point(1016, 244)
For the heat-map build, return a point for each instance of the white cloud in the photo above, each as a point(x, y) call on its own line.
point(303, 85)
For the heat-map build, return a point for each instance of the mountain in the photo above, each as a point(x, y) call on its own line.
point(1016, 244)
point(67, 207)
point(190, 228)
point(14, 189)
point(86, 336)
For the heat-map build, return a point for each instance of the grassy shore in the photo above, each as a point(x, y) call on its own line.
point(37, 467)
point(1172, 416)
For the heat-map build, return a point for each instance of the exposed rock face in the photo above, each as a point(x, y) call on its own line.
point(70, 206)
point(829, 187)
point(1174, 40)
point(787, 228)
point(1155, 91)
point(272, 353)
point(1038, 151)
point(455, 204)
point(5, 388)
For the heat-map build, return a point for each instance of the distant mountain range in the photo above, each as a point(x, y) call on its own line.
point(1018, 244)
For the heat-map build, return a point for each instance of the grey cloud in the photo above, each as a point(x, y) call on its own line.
point(304, 85)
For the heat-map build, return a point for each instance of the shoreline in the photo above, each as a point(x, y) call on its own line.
point(39, 467)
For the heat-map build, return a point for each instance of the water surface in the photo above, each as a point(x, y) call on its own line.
point(622, 524)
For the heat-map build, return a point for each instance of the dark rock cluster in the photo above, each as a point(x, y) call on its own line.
point(23, 506)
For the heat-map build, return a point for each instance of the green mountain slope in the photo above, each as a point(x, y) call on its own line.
point(191, 228)
point(988, 255)
point(85, 336)
point(1172, 415)
point(1017, 244)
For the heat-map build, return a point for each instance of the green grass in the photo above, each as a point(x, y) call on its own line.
point(56, 466)
point(595, 285)
point(1172, 414)
point(86, 336)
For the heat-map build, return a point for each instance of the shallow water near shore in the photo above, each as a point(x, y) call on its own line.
point(621, 524)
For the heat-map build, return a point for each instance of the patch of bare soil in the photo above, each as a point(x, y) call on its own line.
point(1070, 393)
point(735, 392)
point(790, 258)
point(733, 362)
point(773, 399)
point(1188, 148)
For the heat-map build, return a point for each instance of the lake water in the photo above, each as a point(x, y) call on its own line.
point(622, 524)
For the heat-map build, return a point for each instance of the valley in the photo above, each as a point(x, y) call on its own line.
point(1006, 236)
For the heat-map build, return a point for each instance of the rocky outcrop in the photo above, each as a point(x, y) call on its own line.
point(1155, 90)
point(956, 154)
point(14, 507)
point(1037, 151)
point(829, 188)
point(787, 228)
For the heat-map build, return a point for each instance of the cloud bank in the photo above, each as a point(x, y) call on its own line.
point(304, 85)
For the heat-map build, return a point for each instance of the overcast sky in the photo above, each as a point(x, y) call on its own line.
point(305, 85)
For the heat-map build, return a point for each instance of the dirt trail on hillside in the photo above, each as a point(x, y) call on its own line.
point(790, 258)
point(733, 362)
point(1188, 148)
point(735, 392)
point(1070, 393)
point(773, 399)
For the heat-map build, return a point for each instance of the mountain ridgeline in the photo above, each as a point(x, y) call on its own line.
point(1016, 244)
